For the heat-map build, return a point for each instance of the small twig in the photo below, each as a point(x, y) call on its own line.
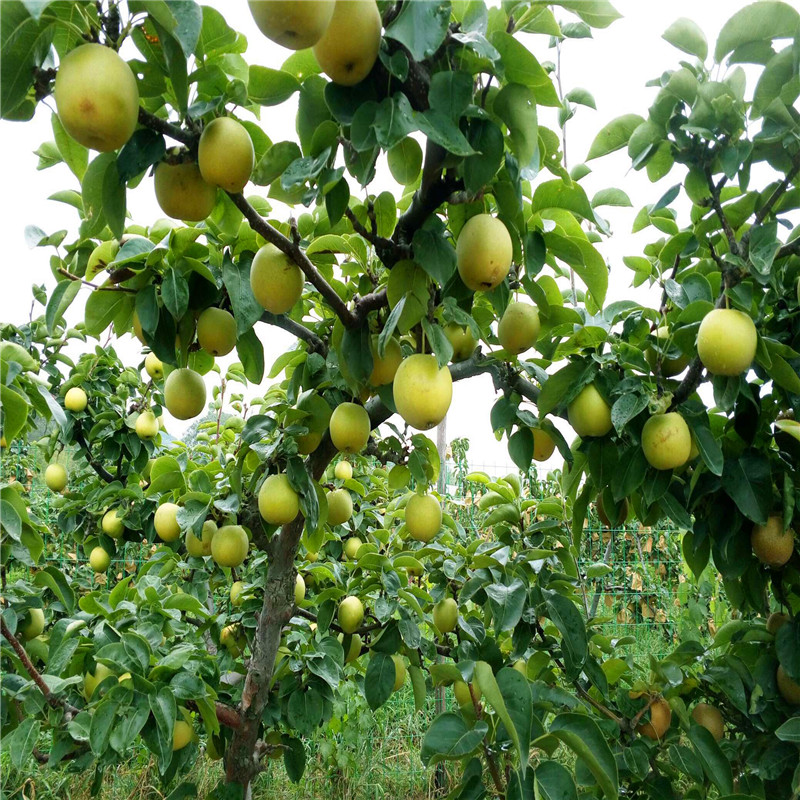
point(167, 128)
point(67, 274)
point(297, 329)
point(93, 462)
point(717, 206)
point(295, 252)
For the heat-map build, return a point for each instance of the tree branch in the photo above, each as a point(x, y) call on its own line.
point(315, 343)
point(717, 206)
point(780, 190)
point(369, 302)
point(52, 700)
point(789, 249)
point(388, 251)
point(296, 253)
point(227, 715)
point(160, 125)
point(93, 462)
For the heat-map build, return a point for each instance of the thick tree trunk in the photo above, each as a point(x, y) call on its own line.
point(241, 757)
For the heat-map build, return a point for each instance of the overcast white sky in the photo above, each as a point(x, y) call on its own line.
point(614, 66)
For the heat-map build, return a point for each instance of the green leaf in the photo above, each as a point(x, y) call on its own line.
point(611, 197)
point(790, 730)
point(582, 735)
point(554, 782)
point(449, 738)
point(434, 253)
point(305, 711)
point(715, 764)
point(709, 448)
point(103, 718)
point(379, 679)
point(420, 27)
point(574, 642)
point(236, 277)
point(294, 758)
point(20, 742)
point(270, 87)
point(582, 97)
point(165, 711)
point(564, 386)
point(597, 13)
point(52, 578)
point(748, 482)
point(783, 373)
point(175, 293)
point(60, 300)
point(520, 448)
point(521, 66)
point(614, 136)
point(439, 343)
point(141, 151)
point(15, 412)
point(405, 161)
point(486, 139)
point(24, 44)
point(251, 354)
point(451, 92)
point(757, 22)
point(93, 191)
point(440, 129)
point(75, 155)
point(688, 37)
point(273, 163)
point(507, 603)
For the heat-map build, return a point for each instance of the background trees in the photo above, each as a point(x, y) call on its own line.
point(392, 298)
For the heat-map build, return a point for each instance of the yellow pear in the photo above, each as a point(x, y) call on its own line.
point(237, 593)
point(351, 548)
point(518, 329)
point(202, 546)
point(184, 393)
point(484, 252)
point(32, 624)
point(137, 328)
point(112, 525)
point(423, 517)
point(225, 154)
point(445, 615)
point(422, 391)
point(230, 545)
point(709, 717)
point(350, 427)
point(660, 719)
point(343, 471)
point(153, 366)
point(308, 442)
point(232, 637)
point(276, 281)
point(295, 24)
point(399, 672)
point(726, 342)
point(181, 734)
point(55, 477)
point(772, 544)
point(75, 399)
point(166, 522)
point(669, 366)
point(278, 502)
point(589, 414)
point(789, 689)
point(384, 369)
point(350, 45)
point(99, 559)
point(340, 507)
point(354, 651)
point(91, 682)
point(96, 97)
point(299, 590)
point(666, 441)
point(182, 193)
point(350, 614)
point(146, 426)
point(216, 331)
point(543, 444)
point(462, 341)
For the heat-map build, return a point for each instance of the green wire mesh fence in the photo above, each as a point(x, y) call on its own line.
point(644, 604)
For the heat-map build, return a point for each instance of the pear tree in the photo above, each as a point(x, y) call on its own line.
point(297, 539)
